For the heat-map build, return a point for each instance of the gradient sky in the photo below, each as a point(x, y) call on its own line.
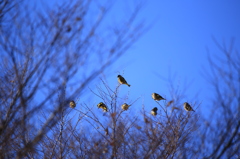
point(175, 46)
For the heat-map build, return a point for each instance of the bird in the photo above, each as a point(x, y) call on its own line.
point(102, 106)
point(72, 104)
point(187, 107)
point(122, 80)
point(154, 111)
point(125, 106)
point(157, 97)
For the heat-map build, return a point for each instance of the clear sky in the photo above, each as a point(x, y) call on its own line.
point(175, 46)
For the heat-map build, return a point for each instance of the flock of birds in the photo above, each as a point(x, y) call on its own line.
point(125, 106)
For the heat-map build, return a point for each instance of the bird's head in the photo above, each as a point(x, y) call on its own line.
point(119, 76)
point(72, 101)
point(100, 104)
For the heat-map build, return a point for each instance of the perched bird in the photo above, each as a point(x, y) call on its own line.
point(72, 104)
point(157, 97)
point(102, 106)
point(125, 106)
point(121, 80)
point(187, 107)
point(154, 111)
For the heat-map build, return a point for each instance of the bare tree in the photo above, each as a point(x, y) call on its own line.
point(123, 134)
point(221, 133)
point(120, 133)
point(48, 57)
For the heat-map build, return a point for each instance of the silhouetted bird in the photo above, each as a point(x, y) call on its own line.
point(154, 111)
point(157, 97)
point(125, 106)
point(102, 106)
point(72, 104)
point(187, 107)
point(121, 80)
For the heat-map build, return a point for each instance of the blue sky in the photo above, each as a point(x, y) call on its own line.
point(175, 46)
